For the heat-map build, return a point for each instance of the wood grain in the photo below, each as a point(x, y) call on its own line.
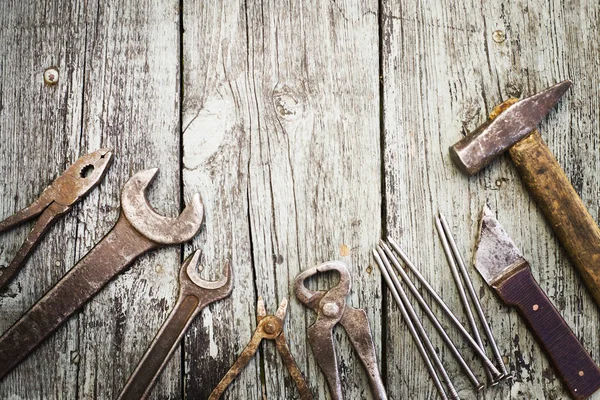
point(277, 131)
point(443, 72)
point(273, 112)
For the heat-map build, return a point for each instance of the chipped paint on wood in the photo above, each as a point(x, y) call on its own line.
point(280, 133)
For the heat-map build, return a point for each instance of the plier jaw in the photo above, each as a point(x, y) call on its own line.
point(81, 177)
point(56, 200)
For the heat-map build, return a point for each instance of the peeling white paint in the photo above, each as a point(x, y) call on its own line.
point(206, 131)
point(207, 322)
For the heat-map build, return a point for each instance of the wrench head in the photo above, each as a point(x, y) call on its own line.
point(193, 268)
point(157, 228)
point(206, 291)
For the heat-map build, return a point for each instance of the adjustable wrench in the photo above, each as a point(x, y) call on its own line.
point(138, 230)
point(195, 293)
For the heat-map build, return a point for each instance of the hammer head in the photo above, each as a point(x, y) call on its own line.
point(152, 225)
point(495, 136)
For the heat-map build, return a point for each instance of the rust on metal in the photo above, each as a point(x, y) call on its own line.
point(128, 239)
point(269, 327)
point(195, 293)
point(497, 135)
point(331, 309)
point(55, 201)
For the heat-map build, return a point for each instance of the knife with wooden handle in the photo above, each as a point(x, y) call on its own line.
point(503, 267)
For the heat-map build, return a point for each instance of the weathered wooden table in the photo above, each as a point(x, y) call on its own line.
point(311, 129)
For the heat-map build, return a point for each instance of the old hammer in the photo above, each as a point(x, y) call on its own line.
point(511, 127)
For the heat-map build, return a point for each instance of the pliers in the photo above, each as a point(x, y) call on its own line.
point(331, 309)
point(269, 327)
point(55, 201)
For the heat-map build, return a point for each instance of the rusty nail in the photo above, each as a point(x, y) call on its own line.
point(499, 36)
point(51, 76)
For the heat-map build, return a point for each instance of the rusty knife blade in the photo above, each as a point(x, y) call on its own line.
point(496, 252)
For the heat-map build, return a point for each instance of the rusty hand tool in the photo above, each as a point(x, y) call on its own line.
point(55, 201)
point(269, 327)
point(408, 313)
point(195, 293)
point(512, 126)
point(453, 257)
point(331, 309)
point(138, 230)
point(384, 249)
point(503, 267)
point(453, 318)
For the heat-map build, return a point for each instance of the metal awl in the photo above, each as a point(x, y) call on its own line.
point(449, 239)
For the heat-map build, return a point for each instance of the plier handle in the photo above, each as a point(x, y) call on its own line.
point(56, 200)
point(331, 309)
point(268, 327)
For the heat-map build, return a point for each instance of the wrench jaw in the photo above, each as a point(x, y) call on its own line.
point(149, 223)
point(206, 291)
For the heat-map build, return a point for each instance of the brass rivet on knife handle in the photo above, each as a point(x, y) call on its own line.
point(570, 360)
point(503, 267)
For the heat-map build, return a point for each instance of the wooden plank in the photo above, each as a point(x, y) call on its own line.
point(443, 72)
point(121, 64)
point(215, 121)
point(39, 132)
point(281, 122)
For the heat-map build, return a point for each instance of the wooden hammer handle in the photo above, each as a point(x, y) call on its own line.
point(562, 206)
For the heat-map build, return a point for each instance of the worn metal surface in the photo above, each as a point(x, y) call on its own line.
point(454, 257)
point(56, 200)
point(115, 252)
point(268, 327)
point(331, 309)
point(195, 293)
point(497, 135)
point(500, 261)
point(311, 129)
point(496, 254)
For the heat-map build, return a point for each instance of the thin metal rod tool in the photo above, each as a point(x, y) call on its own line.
point(385, 265)
point(473, 295)
point(474, 345)
point(461, 292)
point(436, 323)
point(411, 327)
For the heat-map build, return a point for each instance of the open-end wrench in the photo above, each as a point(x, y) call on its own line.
point(138, 230)
point(195, 293)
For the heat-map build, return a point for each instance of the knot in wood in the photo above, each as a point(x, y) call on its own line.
point(288, 103)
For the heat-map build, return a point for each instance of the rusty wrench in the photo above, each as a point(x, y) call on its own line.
point(55, 201)
point(195, 293)
point(138, 230)
point(332, 309)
